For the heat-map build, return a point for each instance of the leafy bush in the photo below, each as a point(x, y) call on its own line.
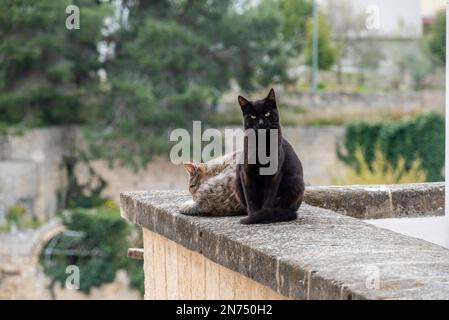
point(17, 216)
point(321, 86)
point(326, 50)
point(420, 137)
point(102, 248)
point(381, 171)
point(16, 213)
point(31, 223)
point(437, 37)
point(99, 252)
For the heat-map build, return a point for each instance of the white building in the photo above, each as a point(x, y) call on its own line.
point(385, 19)
point(381, 35)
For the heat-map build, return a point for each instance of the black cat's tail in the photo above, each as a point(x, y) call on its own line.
point(270, 215)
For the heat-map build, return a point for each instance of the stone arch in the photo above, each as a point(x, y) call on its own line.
point(51, 230)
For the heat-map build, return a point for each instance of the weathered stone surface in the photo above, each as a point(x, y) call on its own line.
point(31, 171)
point(321, 255)
point(380, 201)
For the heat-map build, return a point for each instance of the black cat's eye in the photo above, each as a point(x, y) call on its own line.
point(253, 117)
point(267, 114)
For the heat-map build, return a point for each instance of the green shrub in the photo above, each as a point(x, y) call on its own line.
point(106, 236)
point(381, 171)
point(31, 223)
point(5, 227)
point(420, 137)
point(321, 86)
point(15, 213)
point(102, 249)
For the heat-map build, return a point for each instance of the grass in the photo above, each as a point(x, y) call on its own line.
point(5, 228)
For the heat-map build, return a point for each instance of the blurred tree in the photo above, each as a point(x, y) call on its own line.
point(437, 37)
point(47, 72)
point(366, 57)
point(296, 13)
point(408, 66)
point(326, 52)
point(135, 69)
point(419, 64)
point(99, 251)
point(171, 58)
point(345, 27)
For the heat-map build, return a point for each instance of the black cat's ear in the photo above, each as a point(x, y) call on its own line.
point(243, 103)
point(271, 96)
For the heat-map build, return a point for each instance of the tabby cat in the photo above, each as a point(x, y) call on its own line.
point(212, 187)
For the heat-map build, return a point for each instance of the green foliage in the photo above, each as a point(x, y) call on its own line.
point(408, 60)
point(437, 38)
point(47, 72)
point(172, 62)
point(17, 216)
point(326, 52)
point(380, 171)
point(15, 213)
point(106, 236)
point(419, 64)
point(420, 137)
point(296, 14)
point(321, 86)
point(31, 223)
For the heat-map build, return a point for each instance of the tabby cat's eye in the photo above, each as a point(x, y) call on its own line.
point(253, 117)
point(267, 114)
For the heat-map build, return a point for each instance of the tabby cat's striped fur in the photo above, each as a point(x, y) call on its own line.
point(212, 187)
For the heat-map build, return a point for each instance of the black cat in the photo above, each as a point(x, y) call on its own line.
point(275, 197)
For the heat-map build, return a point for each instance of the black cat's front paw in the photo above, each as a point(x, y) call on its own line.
point(247, 220)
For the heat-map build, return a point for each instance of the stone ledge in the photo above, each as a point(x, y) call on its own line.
point(321, 255)
point(380, 201)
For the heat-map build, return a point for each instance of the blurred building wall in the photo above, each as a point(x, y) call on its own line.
point(31, 171)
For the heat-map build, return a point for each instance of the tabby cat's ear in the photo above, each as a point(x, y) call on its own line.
point(190, 167)
point(243, 103)
point(271, 96)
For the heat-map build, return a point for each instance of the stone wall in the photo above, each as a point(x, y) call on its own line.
point(406, 101)
point(316, 147)
point(352, 100)
point(320, 255)
point(174, 272)
point(30, 169)
point(380, 201)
